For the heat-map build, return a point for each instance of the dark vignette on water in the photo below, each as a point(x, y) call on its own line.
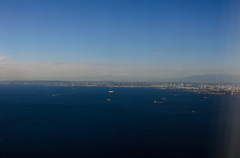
point(82, 123)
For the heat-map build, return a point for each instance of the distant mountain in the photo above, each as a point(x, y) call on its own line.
point(208, 78)
point(195, 78)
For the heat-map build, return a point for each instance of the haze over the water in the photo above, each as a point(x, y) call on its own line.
point(119, 38)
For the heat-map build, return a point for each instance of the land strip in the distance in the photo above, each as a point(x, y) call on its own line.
point(211, 88)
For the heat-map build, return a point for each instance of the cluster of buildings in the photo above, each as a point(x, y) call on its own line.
point(221, 88)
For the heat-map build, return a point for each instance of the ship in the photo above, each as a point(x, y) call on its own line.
point(50, 95)
point(158, 102)
point(206, 97)
point(193, 111)
point(108, 99)
point(110, 91)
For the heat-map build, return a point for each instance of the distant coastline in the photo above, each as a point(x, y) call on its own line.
point(209, 88)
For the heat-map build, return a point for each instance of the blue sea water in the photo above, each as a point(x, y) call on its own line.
point(82, 123)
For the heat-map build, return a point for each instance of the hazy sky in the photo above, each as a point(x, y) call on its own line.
point(142, 38)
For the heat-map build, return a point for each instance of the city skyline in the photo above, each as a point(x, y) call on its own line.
point(145, 39)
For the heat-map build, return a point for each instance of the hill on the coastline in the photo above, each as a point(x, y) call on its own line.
point(208, 78)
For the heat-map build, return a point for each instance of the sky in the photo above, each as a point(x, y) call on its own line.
point(70, 39)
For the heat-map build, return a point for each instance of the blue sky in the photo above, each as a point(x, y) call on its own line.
point(162, 39)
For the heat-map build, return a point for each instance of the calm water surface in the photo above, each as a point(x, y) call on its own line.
point(82, 123)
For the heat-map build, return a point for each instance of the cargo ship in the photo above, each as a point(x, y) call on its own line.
point(110, 91)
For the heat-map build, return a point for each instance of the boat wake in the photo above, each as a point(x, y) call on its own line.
point(54, 95)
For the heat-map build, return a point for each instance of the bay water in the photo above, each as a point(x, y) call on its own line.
point(80, 122)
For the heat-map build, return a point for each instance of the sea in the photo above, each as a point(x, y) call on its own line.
point(79, 122)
